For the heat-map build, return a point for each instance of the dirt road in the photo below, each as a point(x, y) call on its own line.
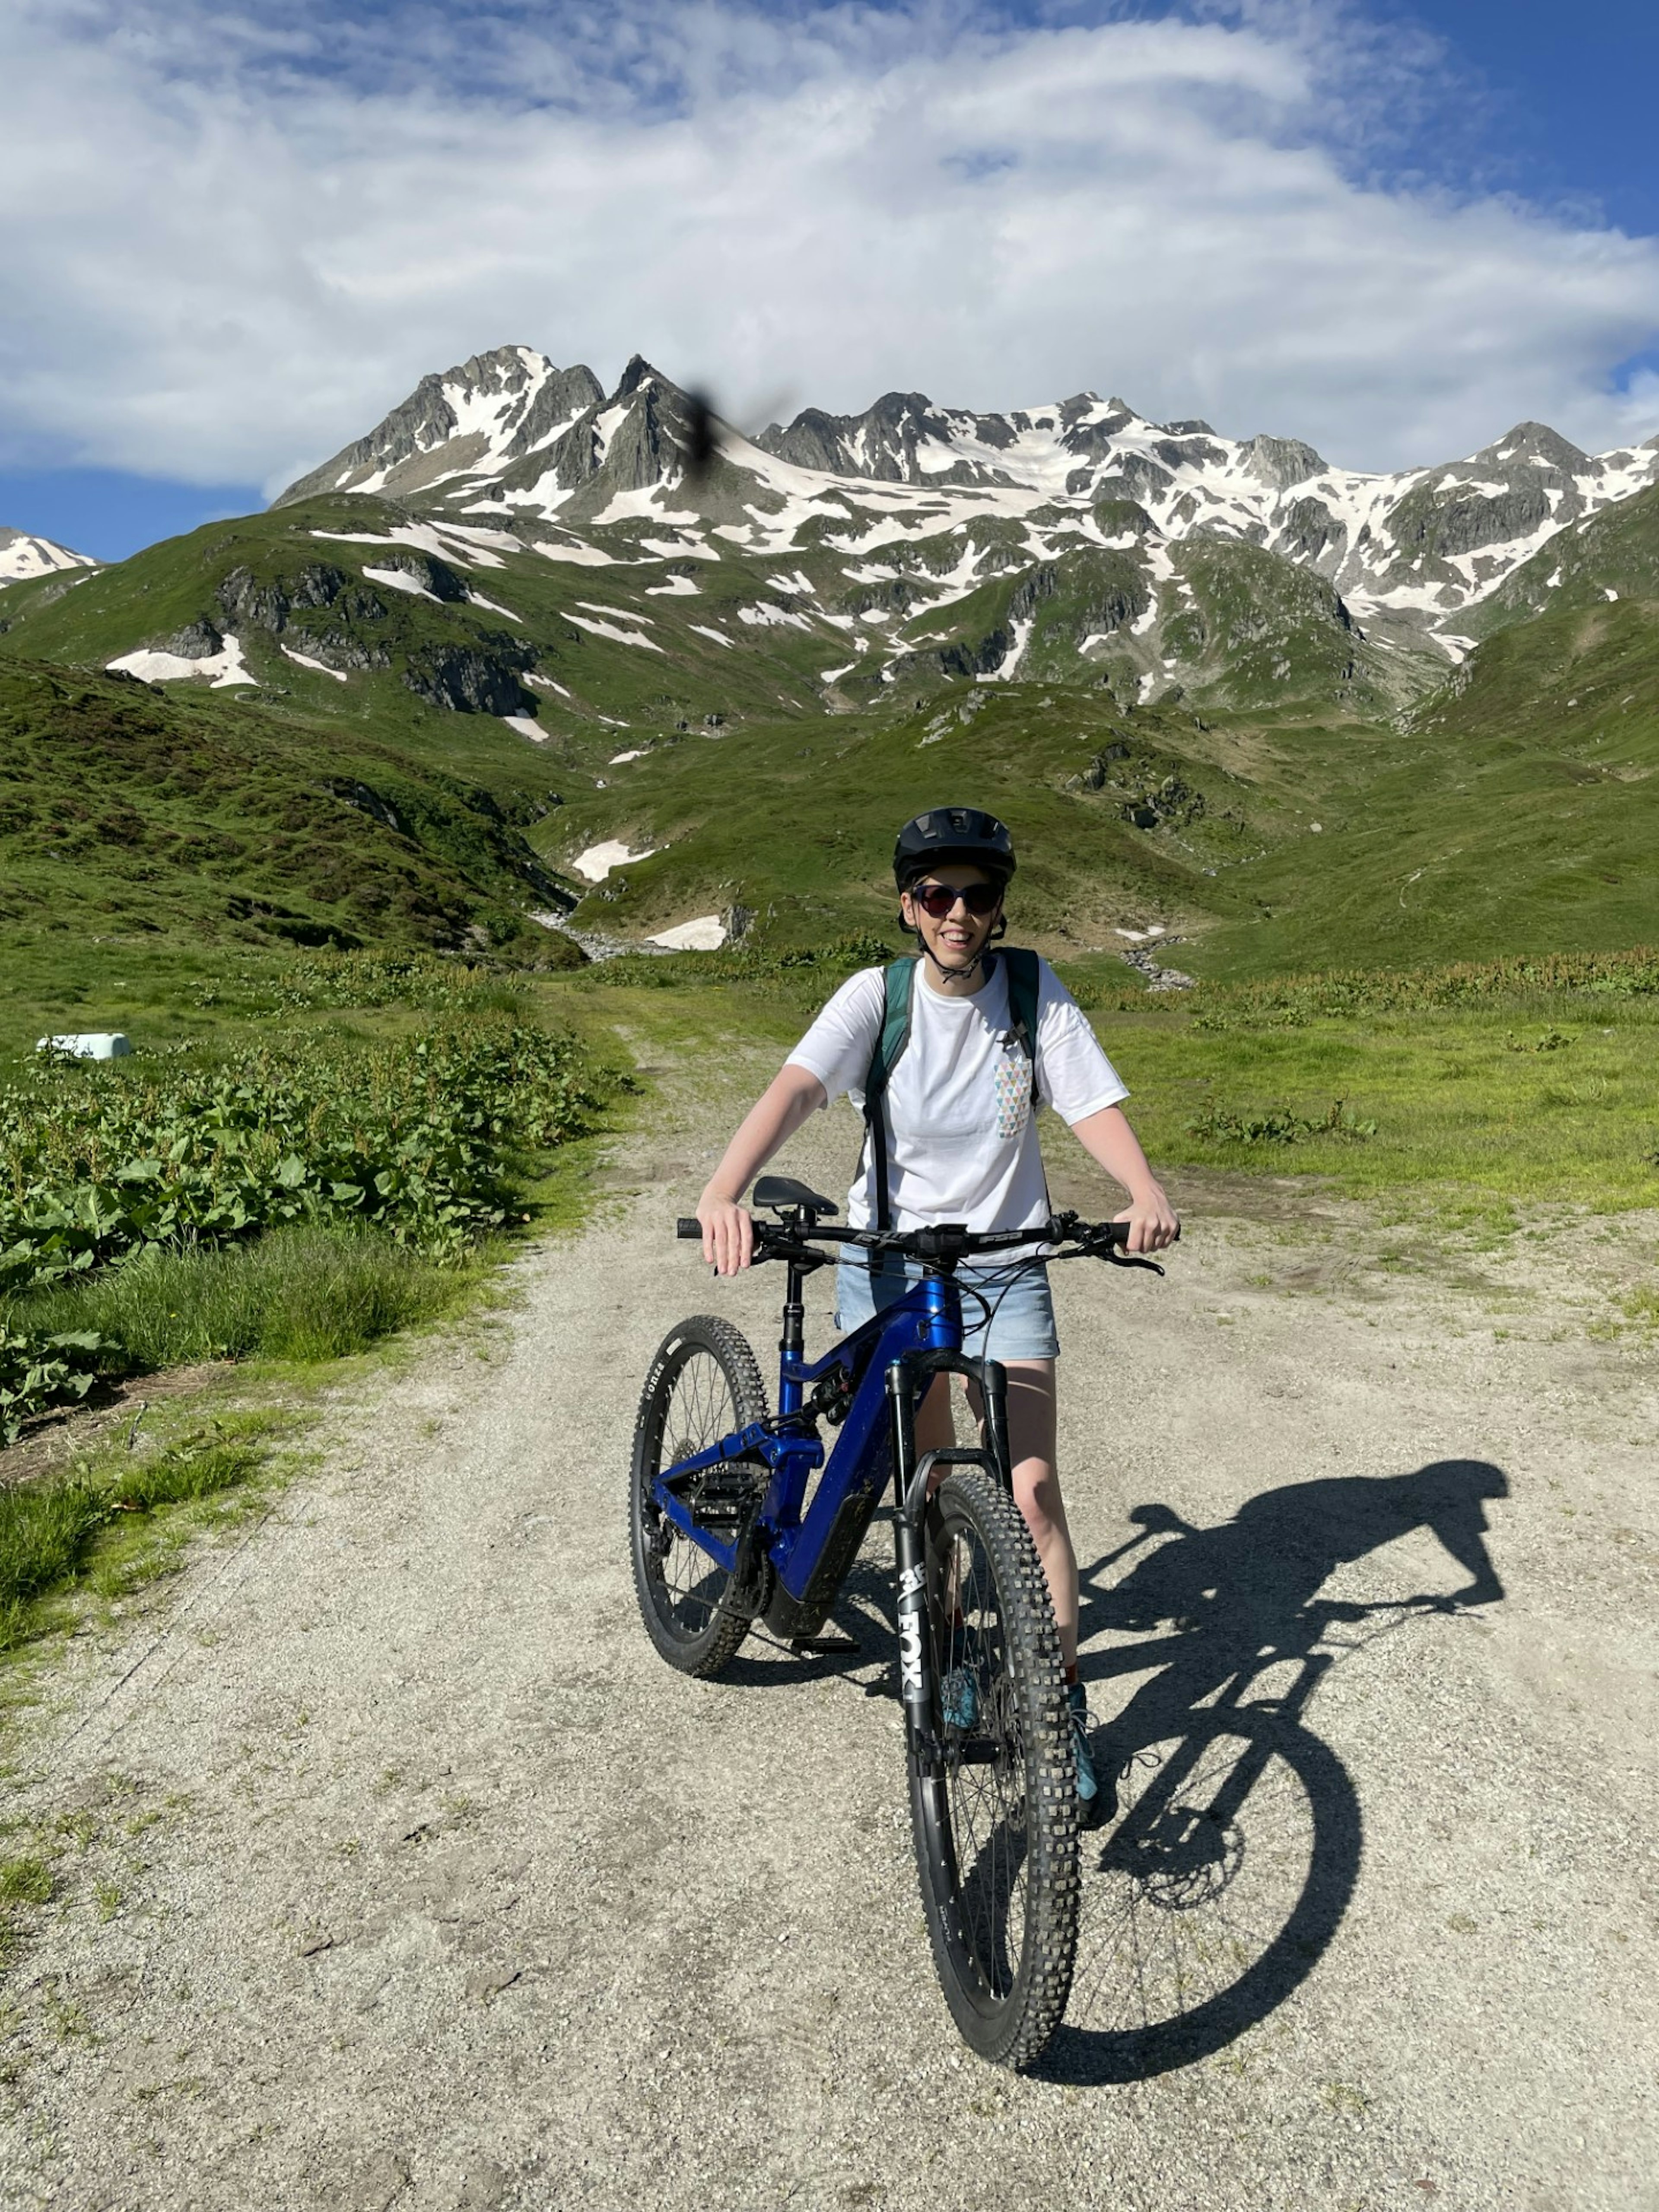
point(396, 1869)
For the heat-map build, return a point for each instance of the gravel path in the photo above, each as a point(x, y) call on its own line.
point(396, 1869)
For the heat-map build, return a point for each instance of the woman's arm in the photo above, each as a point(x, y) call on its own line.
point(1107, 1137)
point(728, 1233)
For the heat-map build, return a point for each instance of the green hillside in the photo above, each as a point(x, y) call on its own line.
point(132, 823)
point(1198, 738)
point(1117, 820)
point(466, 636)
point(1613, 555)
point(1518, 812)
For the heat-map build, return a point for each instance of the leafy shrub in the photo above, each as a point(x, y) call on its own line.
point(392, 979)
point(1279, 1126)
point(37, 1370)
point(108, 1171)
point(1292, 1000)
point(416, 1136)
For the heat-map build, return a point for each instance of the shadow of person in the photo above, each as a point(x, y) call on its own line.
point(1234, 1835)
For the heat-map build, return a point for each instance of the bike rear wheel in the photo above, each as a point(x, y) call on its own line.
point(704, 1383)
point(996, 1827)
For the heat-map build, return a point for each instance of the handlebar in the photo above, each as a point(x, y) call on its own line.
point(942, 1241)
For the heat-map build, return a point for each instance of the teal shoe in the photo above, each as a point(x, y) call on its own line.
point(958, 1699)
point(1088, 1784)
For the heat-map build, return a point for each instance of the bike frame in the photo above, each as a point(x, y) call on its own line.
point(872, 1380)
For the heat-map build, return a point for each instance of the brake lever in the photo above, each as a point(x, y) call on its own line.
point(1116, 1256)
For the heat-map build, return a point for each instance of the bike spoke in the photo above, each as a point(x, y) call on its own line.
point(700, 1412)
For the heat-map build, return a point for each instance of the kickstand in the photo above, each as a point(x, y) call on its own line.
point(824, 1647)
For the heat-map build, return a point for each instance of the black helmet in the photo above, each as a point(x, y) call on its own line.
point(952, 833)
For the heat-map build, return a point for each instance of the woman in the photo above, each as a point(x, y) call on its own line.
point(959, 1137)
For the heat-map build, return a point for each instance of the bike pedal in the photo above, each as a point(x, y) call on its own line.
point(824, 1647)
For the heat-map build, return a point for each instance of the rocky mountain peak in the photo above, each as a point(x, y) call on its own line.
point(1281, 462)
point(22, 555)
point(504, 402)
point(1537, 443)
point(638, 372)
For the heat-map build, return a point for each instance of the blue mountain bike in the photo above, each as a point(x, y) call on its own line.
point(739, 1516)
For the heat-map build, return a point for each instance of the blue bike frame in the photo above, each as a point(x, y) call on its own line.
point(885, 1365)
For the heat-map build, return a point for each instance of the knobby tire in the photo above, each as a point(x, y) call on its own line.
point(703, 1384)
point(997, 1843)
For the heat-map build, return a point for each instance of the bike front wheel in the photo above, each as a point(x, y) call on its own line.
point(995, 1810)
point(703, 1384)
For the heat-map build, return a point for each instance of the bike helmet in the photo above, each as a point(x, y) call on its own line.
point(952, 833)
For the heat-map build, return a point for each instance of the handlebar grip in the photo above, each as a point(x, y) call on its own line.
point(688, 1229)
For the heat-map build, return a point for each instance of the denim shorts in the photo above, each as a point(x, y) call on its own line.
point(1023, 1316)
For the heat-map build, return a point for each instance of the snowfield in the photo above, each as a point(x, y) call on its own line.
point(597, 862)
point(221, 669)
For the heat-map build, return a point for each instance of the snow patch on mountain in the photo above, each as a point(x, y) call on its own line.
point(594, 865)
point(317, 667)
point(23, 555)
point(222, 668)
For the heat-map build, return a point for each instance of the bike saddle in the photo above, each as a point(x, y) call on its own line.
point(778, 1193)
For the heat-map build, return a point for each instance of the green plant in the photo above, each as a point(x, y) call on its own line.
point(25, 1881)
point(1552, 1041)
point(48, 1530)
point(755, 963)
point(306, 1292)
point(1279, 1126)
point(1291, 1001)
point(416, 1136)
point(41, 1369)
point(131, 1196)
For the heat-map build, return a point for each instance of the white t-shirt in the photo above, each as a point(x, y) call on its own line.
point(961, 1138)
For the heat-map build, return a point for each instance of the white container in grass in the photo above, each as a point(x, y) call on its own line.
point(89, 1044)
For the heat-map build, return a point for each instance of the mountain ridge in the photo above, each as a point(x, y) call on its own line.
point(555, 456)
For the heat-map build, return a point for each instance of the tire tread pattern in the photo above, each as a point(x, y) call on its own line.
point(710, 1652)
point(1026, 2021)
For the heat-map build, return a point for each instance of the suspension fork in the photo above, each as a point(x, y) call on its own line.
point(915, 1645)
point(913, 1478)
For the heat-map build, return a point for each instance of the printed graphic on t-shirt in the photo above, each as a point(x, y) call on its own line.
point(1013, 1081)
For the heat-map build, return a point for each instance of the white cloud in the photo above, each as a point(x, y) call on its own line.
point(231, 247)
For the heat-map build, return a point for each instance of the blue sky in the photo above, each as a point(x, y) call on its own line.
point(1567, 92)
point(1391, 229)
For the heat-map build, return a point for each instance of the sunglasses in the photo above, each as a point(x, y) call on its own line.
point(937, 900)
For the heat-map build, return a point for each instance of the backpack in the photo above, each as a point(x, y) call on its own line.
point(1024, 986)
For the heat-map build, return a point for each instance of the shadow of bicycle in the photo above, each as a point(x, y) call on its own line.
point(1236, 1836)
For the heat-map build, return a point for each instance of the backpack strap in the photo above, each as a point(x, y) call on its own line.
point(1024, 995)
point(893, 1038)
point(1024, 973)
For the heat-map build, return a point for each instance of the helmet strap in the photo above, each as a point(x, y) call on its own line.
point(927, 949)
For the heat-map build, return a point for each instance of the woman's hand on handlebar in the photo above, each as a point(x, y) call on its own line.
point(728, 1232)
point(1153, 1222)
